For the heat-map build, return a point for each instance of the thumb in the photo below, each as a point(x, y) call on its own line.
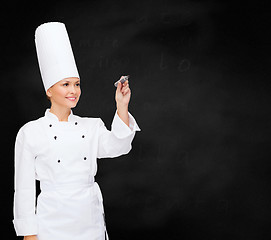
point(119, 86)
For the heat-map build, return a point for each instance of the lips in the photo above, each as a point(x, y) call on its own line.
point(71, 98)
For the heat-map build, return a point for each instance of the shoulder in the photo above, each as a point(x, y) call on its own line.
point(29, 128)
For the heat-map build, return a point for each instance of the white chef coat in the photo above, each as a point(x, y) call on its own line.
point(63, 157)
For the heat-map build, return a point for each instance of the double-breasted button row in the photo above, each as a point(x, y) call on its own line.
point(55, 137)
point(51, 125)
point(85, 158)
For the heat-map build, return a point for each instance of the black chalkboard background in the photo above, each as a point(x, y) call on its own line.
point(200, 81)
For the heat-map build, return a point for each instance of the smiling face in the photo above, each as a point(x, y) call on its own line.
point(65, 93)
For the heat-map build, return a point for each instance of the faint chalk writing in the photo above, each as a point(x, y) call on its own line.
point(99, 43)
point(104, 62)
point(166, 18)
point(184, 65)
point(223, 206)
point(163, 66)
point(142, 19)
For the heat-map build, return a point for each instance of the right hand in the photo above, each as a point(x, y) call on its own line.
point(31, 237)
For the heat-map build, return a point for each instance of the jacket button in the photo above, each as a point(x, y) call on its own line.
point(58, 161)
point(50, 125)
point(75, 123)
point(85, 158)
point(55, 137)
point(83, 136)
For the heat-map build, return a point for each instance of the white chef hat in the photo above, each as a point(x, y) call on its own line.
point(54, 53)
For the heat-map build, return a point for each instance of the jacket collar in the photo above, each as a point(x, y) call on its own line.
point(53, 117)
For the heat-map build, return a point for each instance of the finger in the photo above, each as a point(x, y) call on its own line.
point(125, 83)
point(119, 86)
point(126, 91)
point(124, 88)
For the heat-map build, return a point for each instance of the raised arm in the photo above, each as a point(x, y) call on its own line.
point(122, 97)
point(118, 141)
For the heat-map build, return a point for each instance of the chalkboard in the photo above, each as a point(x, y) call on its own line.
point(199, 169)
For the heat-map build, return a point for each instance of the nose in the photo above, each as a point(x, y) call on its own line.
point(72, 89)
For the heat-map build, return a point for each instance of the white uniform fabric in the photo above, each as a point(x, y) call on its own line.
point(63, 157)
point(54, 52)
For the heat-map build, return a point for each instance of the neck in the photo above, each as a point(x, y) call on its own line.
point(61, 113)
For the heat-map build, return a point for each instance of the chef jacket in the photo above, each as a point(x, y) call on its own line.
point(63, 157)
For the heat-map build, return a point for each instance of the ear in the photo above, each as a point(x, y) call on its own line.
point(49, 93)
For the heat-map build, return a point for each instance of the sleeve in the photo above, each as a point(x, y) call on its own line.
point(118, 141)
point(25, 222)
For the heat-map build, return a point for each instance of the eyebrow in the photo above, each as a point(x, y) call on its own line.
point(67, 81)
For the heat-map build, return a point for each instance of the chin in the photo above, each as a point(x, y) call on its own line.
point(72, 105)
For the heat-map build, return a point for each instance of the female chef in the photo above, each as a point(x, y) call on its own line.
point(61, 149)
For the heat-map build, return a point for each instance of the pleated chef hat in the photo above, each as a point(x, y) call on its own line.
point(54, 51)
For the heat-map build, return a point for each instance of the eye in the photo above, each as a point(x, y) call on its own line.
point(77, 84)
point(65, 84)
